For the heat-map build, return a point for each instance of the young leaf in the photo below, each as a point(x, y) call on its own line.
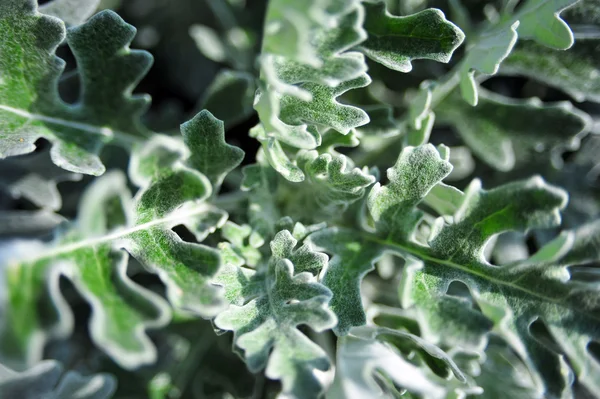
point(44, 381)
point(305, 66)
point(268, 306)
point(331, 184)
point(30, 105)
point(396, 41)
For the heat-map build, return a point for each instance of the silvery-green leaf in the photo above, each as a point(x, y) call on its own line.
point(305, 65)
point(35, 178)
point(46, 380)
point(106, 110)
point(73, 12)
point(331, 184)
point(576, 72)
point(366, 361)
point(503, 132)
point(205, 136)
point(535, 19)
point(485, 56)
point(541, 21)
point(121, 310)
point(353, 257)
point(396, 41)
point(15, 223)
point(263, 214)
point(230, 97)
point(89, 253)
point(268, 305)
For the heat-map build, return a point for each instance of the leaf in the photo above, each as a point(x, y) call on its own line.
point(121, 310)
point(30, 105)
point(35, 178)
point(88, 254)
point(332, 184)
point(17, 223)
point(44, 380)
point(305, 65)
point(268, 305)
point(541, 21)
point(576, 72)
point(536, 19)
point(512, 297)
point(395, 41)
point(353, 258)
point(502, 131)
point(73, 12)
point(366, 362)
point(486, 56)
point(344, 273)
point(211, 155)
point(229, 86)
point(261, 181)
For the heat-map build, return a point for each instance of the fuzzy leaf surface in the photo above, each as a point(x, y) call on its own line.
point(268, 305)
point(396, 41)
point(30, 105)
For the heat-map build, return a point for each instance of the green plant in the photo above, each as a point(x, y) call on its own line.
point(336, 279)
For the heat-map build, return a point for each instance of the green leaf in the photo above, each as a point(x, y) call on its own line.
point(350, 262)
point(367, 363)
point(331, 185)
point(35, 178)
point(72, 12)
point(172, 194)
point(576, 72)
point(536, 19)
point(30, 105)
point(353, 258)
point(503, 132)
point(512, 297)
point(416, 172)
point(541, 21)
point(46, 380)
point(229, 97)
point(268, 305)
point(211, 155)
point(305, 65)
point(486, 56)
point(121, 310)
point(396, 41)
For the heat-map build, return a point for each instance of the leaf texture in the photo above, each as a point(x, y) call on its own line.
point(30, 105)
point(511, 297)
point(268, 305)
point(396, 41)
point(90, 254)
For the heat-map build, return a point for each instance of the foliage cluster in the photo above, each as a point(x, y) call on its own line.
point(318, 225)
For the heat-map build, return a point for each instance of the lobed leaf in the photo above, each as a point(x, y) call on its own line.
point(30, 105)
point(395, 41)
point(268, 305)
